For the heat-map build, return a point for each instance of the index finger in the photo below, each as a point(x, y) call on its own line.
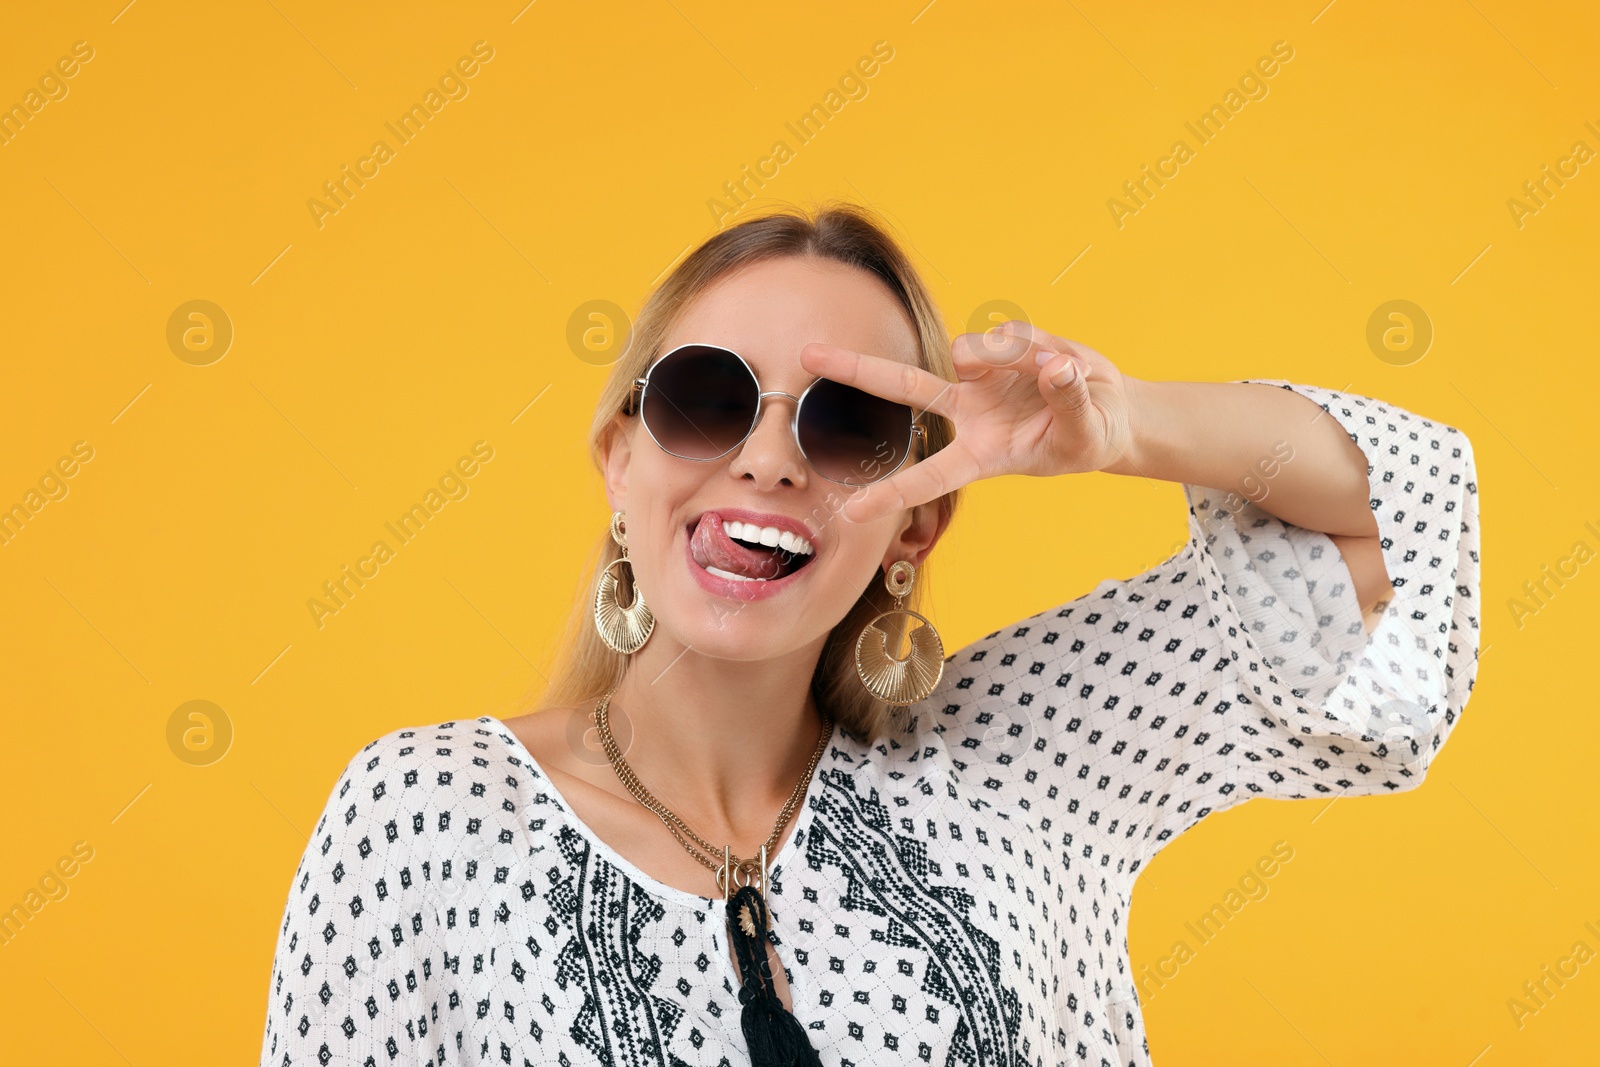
point(888, 378)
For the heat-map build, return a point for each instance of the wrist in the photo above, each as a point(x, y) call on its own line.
point(1143, 406)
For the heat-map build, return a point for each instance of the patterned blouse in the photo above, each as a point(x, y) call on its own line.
point(955, 894)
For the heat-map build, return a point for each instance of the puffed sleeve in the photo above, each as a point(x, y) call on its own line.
point(1240, 666)
point(354, 980)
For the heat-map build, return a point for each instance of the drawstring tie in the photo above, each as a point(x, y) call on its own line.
point(775, 1036)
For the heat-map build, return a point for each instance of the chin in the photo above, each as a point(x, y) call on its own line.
point(742, 637)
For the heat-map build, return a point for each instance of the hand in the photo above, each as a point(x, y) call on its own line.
point(1012, 414)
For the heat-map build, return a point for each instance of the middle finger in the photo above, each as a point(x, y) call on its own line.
point(1015, 347)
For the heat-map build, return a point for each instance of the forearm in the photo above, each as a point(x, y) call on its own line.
point(1267, 445)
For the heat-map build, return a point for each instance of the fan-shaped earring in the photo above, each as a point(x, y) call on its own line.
point(893, 679)
point(623, 629)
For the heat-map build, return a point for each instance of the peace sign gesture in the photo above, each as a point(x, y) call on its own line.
point(1026, 402)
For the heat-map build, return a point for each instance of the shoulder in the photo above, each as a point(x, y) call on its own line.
point(1007, 687)
point(410, 755)
point(419, 779)
point(1030, 648)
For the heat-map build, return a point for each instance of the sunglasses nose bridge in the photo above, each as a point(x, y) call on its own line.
point(768, 458)
point(793, 417)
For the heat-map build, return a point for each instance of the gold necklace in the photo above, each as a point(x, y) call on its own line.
point(732, 871)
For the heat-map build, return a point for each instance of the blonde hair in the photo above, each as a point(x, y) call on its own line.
point(585, 668)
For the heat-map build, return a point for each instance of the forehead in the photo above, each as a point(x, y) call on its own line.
point(770, 310)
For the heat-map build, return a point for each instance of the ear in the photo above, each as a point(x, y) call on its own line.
point(919, 531)
point(616, 449)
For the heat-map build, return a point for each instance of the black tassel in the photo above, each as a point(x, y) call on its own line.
point(775, 1037)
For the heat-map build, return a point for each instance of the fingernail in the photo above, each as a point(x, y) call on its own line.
point(1065, 375)
point(1045, 356)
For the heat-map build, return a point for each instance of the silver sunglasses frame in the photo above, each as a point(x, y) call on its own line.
point(641, 389)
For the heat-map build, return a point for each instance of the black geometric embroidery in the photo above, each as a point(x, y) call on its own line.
point(603, 916)
point(886, 875)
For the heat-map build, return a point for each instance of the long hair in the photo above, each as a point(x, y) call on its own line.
point(586, 668)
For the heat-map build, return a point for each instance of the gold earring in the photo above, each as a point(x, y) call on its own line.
point(624, 629)
point(900, 680)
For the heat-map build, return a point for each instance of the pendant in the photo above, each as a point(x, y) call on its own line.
point(774, 1036)
point(732, 876)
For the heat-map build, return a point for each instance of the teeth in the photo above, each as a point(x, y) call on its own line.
point(769, 536)
point(720, 573)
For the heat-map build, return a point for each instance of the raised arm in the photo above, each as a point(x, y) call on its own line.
point(1237, 667)
point(1029, 402)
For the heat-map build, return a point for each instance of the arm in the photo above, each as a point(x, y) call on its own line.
point(1029, 402)
point(1270, 446)
point(1238, 668)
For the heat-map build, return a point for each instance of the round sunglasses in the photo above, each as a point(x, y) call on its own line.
point(701, 401)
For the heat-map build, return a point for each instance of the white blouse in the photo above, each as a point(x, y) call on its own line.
point(958, 895)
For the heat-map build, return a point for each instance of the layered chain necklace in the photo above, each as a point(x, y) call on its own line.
point(775, 1037)
point(729, 870)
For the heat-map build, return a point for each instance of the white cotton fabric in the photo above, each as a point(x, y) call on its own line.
point(955, 895)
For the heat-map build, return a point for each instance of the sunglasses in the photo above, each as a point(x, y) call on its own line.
point(700, 402)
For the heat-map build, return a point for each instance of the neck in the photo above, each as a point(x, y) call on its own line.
point(721, 743)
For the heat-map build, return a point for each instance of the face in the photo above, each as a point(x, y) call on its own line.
point(693, 526)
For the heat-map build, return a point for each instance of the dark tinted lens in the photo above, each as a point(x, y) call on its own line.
point(701, 402)
point(851, 436)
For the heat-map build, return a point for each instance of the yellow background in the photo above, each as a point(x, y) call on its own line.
point(433, 309)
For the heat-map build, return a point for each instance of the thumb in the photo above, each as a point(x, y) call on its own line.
point(1064, 384)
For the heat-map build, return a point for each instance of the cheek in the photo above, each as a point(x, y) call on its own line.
point(656, 498)
point(657, 480)
point(656, 505)
point(856, 558)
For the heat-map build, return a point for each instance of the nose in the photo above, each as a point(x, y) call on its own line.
point(770, 457)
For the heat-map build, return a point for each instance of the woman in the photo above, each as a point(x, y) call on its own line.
point(950, 844)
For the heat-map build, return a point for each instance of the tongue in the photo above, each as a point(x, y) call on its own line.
point(712, 547)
